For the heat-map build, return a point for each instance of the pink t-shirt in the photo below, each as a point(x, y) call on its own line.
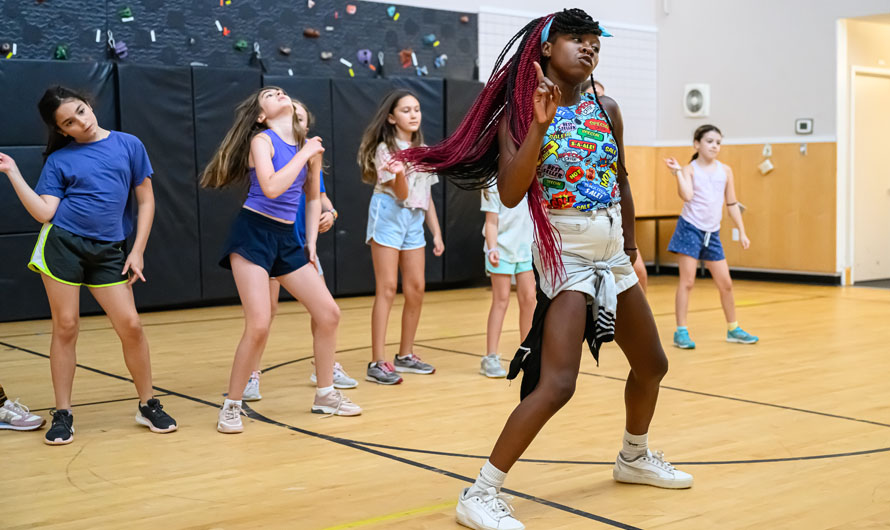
point(419, 182)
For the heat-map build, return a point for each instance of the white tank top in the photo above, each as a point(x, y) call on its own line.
point(705, 210)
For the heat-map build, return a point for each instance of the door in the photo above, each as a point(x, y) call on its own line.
point(871, 176)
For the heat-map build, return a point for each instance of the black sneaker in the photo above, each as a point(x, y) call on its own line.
point(152, 415)
point(62, 430)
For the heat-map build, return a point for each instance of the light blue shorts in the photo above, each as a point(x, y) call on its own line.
point(508, 267)
point(391, 225)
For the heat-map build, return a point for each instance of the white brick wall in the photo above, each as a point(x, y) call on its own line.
point(627, 66)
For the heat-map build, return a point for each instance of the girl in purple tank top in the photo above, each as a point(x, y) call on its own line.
point(703, 185)
point(267, 146)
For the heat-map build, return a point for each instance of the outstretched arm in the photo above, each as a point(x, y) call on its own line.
point(41, 207)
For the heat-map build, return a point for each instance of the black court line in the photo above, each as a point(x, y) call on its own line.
point(348, 443)
point(698, 393)
point(612, 462)
point(361, 447)
point(100, 402)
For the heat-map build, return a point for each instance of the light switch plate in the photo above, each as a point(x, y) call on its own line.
point(735, 234)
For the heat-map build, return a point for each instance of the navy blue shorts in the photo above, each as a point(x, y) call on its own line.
point(265, 242)
point(690, 241)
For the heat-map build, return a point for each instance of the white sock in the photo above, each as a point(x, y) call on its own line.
point(230, 402)
point(322, 391)
point(489, 477)
point(635, 445)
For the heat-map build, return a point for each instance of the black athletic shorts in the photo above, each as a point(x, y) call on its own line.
point(76, 260)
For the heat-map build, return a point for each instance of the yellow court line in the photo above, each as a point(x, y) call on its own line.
point(393, 516)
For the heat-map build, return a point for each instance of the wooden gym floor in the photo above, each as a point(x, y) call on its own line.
point(791, 433)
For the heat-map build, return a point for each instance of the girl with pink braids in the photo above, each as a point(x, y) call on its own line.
point(533, 130)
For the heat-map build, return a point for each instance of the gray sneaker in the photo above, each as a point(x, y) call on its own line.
point(383, 373)
point(491, 366)
point(341, 378)
point(412, 364)
point(252, 389)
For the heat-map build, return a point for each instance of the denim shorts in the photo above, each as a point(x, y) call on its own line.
point(265, 242)
point(394, 226)
point(589, 239)
point(699, 244)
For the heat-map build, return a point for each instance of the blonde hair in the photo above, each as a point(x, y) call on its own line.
point(230, 163)
point(380, 130)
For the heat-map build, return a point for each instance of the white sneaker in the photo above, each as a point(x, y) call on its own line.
point(491, 366)
point(252, 390)
point(335, 404)
point(486, 510)
point(341, 378)
point(651, 469)
point(230, 419)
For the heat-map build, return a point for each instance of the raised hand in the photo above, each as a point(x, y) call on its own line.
point(7, 164)
point(546, 99)
point(313, 146)
point(673, 165)
point(395, 167)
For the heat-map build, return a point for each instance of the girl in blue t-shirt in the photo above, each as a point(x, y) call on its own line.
point(82, 199)
point(268, 148)
point(325, 223)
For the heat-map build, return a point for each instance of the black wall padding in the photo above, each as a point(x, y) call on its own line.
point(14, 218)
point(217, 91)
point(354, 104)
point(23, 296)
point(315, 93)
point(22, 84)
point(156, 107)
point(464, 259)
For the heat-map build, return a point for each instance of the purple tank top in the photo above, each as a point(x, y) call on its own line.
point(285, 205)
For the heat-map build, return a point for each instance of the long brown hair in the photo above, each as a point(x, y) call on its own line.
point(230, 163)
point(50, 102)
point(380, 130)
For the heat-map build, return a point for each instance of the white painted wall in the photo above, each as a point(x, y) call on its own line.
point(768, 62)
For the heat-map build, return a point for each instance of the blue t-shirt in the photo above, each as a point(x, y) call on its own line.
point(300, 222)
point(94, 181)
point(578, 164)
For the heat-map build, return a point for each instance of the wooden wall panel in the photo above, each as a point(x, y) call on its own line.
point(790, 215)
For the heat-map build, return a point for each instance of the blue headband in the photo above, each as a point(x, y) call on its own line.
point(545, 33)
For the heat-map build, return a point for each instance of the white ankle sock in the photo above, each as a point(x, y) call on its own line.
point(322, 391)
point(489, 477)
point(229, 402)
point(635, 445)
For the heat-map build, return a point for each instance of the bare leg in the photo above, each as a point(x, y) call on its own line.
point(500, 299)
point(386, 277)
point(560, 362)
point(117, 302)
point(525, 292)
point(687, 266)
point(720, 272)
point(64, 303)
point(253, 288)
point(636, 334)
point(309, 288)
point(413, 266)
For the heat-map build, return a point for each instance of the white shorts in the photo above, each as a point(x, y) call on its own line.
point(588, 238)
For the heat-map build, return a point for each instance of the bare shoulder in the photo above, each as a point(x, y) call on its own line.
point(727, 169)
point(610, 105)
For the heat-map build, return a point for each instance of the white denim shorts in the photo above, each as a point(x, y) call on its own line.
point(589, 240)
